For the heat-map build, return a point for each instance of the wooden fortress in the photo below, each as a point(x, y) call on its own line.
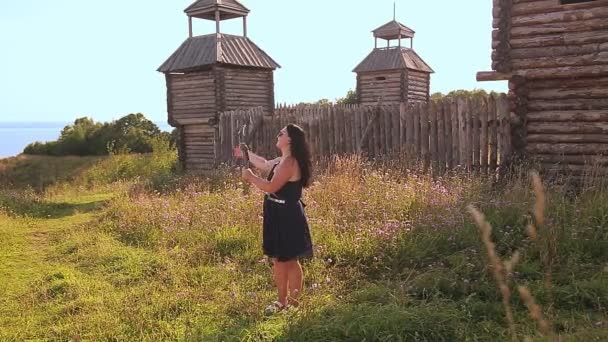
point(554, 53)
point(393, 74)
point(210, 74)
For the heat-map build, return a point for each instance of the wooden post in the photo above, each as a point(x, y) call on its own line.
point(353, 128)
point(317, 123)
point(416, 119)
point(441, 144)
point(484, 136)
point(455, 133)
point(217, 21)
point(468, 132)
point(402, 127)
point(433, 135)
point(338, 129)
point(190, 26)
point(381, 132)
point(447, 121)
point(506, 129)
point(245, 27)
point(357, 129)
point(409, 128)
point(475, 128)
point(492, 131)
point(322, 131)
point(499, 133)
point(395, 114)
point(387, 129)
point(329, 124)
point(347, 129)
point(312, 131)
point(462, 139)
point(377, 124)
point(424, 134)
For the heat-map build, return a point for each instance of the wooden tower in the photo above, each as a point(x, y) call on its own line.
point(555, 56)
point(210, 74)
point(393, 73)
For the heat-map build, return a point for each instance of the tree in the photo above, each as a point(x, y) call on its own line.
point(461, 93)
point(350, 98)
point(75, 139)
point(131, 133)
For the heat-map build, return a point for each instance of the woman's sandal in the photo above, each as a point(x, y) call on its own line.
point(275, 307)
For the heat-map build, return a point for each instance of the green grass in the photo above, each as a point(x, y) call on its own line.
point(397, 258)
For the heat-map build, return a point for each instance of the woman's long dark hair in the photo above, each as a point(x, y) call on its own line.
point(301, 151)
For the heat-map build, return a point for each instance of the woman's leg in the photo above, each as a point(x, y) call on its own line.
point(295, 281)
point(280, 273)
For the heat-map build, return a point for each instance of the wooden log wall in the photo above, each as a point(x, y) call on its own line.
point(199, 147)
point(501, 35)
point(393, 86)
point(191, 98)
point(548, 40)
point(245, 88)
point(567, 122)
point(418, 86)
point(557, 56)
point(383, 84)
point(470, 134)
point(194, 101)
point(192, 108)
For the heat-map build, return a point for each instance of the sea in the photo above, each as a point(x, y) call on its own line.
point(15, 136)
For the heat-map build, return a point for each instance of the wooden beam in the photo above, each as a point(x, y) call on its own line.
point(217, 21)
point(483, 76)
point(369, 127)
point(190, 26)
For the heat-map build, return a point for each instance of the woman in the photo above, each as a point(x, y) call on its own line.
point(286, 236)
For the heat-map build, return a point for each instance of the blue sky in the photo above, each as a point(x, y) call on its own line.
point(65, 59)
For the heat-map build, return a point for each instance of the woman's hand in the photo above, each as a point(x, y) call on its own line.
point(237, 153)
point(247, 174)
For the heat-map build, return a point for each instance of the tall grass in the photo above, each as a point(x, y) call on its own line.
point(397, 257)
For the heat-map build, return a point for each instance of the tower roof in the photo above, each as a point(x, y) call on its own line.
point(391, 59)
point(205, 9)
point(393, 30)
point(216, 48)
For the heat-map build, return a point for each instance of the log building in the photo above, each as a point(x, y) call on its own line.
point(210, 74)
point(393, 73)
point(554, 53)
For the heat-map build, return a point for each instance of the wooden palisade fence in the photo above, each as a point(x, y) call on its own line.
point(447, 134)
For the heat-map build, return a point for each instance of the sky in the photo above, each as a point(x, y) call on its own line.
point(65, 59)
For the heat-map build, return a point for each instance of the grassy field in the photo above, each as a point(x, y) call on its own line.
point(123, 248)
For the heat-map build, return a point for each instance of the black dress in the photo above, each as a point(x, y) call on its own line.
point(286, 235)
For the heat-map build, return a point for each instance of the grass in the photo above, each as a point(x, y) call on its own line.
point(140, 253)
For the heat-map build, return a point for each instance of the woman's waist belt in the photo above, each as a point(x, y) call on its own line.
point(275, 199)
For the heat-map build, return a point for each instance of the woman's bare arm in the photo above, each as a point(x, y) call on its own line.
point(261, 163)
point(283, 173)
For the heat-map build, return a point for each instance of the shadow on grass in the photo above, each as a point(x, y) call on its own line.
point(25, 206)
point(369, 314)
